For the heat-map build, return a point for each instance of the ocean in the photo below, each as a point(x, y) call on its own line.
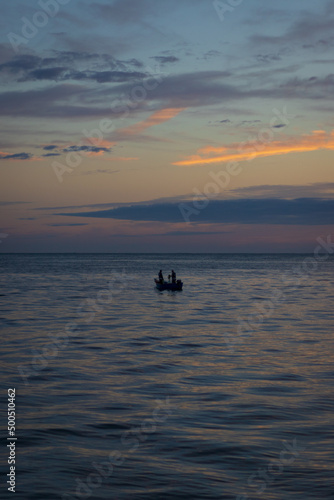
point(224, 390)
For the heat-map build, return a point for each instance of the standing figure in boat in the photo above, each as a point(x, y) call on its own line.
point(161, 284)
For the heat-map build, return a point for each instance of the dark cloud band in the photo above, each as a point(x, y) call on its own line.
point(301, 211)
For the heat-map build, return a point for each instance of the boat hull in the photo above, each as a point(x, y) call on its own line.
point(168, 286)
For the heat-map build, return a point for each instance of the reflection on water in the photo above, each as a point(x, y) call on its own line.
point(147, 400)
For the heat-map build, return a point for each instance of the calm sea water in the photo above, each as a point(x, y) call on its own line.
point(222, 391)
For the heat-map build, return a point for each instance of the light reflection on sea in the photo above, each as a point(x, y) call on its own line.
point(232, 412)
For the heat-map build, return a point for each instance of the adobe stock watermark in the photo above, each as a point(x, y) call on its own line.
point(130, 441)
point(222, 179)
point(86, 312)
point(223, 8)
point(264, 477)
point(290, 280)
point(122, 106)
point(31, 27)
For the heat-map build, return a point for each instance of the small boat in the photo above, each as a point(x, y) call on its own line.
point(168, 286)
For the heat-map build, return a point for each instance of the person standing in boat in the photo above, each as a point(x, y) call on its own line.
point(173, 276)
point(161, 278)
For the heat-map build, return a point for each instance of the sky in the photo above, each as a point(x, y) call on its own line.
point(166, 126)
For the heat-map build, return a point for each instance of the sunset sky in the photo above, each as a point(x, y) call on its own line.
point(166, 126)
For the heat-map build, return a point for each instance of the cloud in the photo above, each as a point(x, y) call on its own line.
point(92, 149)
point(44, 74)
point(113, 76)
point(16, 156)
point(103, 147)
point(315, 141)
point(312, 87)
point(166, 59)
point(20, 63)
point(76, 207)
point(56, 102)
point(316, 28)
point(86, 150)
point(219, 122)
point(58, 151)
point(103, 143)
point(268, 58)
point(165, 200)
point(248, 123)
point(77, 66)
point(51, 102)
point(136, 130)
point(207, 88)
point(303, 211)
point(156, 118)
point(211, 53)
point(197, 89)
point(63, 74)
point(315, 190)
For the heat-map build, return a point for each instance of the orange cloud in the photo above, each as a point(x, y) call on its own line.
point(155, 118)
point(102, 143)
point(93, 153)
point(212, 149)
point(161, 116)
point(317, 140)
